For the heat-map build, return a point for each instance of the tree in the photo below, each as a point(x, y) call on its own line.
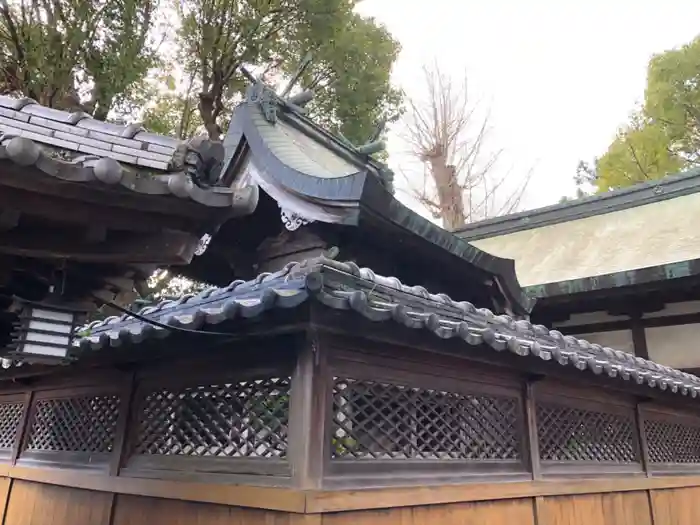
point(448, 135)
point(349, 73)
point(672, 99)
point(640, 152)
point(663, 136)
point(76, 55)
point(104, 57)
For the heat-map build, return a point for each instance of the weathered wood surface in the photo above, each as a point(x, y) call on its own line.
point(30, 503)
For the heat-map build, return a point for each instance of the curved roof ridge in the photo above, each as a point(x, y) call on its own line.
point(373, 296)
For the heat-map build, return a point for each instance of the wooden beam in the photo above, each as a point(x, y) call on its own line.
point(105, 196)
point(58, 209)
point(309, 421)
point(639, 338)
point(167, 247)
point(650, 322)
point(315, 502)
point(9, 219)
point(385, 498)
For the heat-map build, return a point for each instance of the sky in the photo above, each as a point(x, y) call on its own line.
point(559, 77)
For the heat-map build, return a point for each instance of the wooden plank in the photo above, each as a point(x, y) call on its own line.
point(136, 510)
point(343, 500)
point(676, 506)
point(39, 504)
point(628, 508)
point(238, 495)
point(493, 513)
point(5, 489)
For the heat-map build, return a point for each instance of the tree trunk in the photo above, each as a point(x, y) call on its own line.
point(450, 198)
point(206, 110)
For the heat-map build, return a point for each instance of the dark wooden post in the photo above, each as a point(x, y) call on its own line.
point(24, 426)
point(531, 436)
point(125, 417)
point(639, 338)
point(309, 415)
point(642, 439)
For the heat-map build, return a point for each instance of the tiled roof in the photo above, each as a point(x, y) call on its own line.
point(78, 148)
point(345, 286)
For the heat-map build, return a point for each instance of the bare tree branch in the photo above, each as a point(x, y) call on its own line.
point(446, 133)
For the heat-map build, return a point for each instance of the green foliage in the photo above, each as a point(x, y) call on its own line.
point(351, 76)
point(672, 98)
point(98, 56)
point(640, 152)
point(172, 111)
point(102, 57)
point(76, 54)
point(664, 136)
point(350, 71)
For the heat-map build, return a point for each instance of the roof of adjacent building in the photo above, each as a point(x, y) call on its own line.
point(640, 234)
point(73, 146)
point(345, 286)
point(316, 176)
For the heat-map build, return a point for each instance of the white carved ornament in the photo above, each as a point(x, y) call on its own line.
point(203, 244)
point(292, 221)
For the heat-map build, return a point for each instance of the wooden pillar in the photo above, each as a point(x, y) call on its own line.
point(531, 435)
point(642, 439)
point(309, 417)
point(639, 338)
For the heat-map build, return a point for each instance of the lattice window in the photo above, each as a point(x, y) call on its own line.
point(74, 424)
point(575, 434)
point(672, 442)
point(374, 420)
point(243, 419)
point(10, 418)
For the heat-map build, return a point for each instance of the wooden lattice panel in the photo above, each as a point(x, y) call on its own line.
point(374, 420)
point(672, 442)
point(10, 418)
point(576, 434)
point(243, 419)
point(74, 424)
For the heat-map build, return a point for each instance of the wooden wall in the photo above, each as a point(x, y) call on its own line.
point(31, 503)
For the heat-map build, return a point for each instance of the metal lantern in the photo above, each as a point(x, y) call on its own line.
point(44, 332)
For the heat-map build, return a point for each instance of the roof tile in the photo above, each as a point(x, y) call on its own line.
point(160, 140)
point(50, 113)
point(163, 150)
point(109, 154)
point(15, 103)
point(14, 115)
point(348, 287)
point(24, 148)
point(142, 154)
point(114, 140)
point(83, 140)
point(150, 163)
point(58, 126)
point(103, 127)
point(39, 130)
